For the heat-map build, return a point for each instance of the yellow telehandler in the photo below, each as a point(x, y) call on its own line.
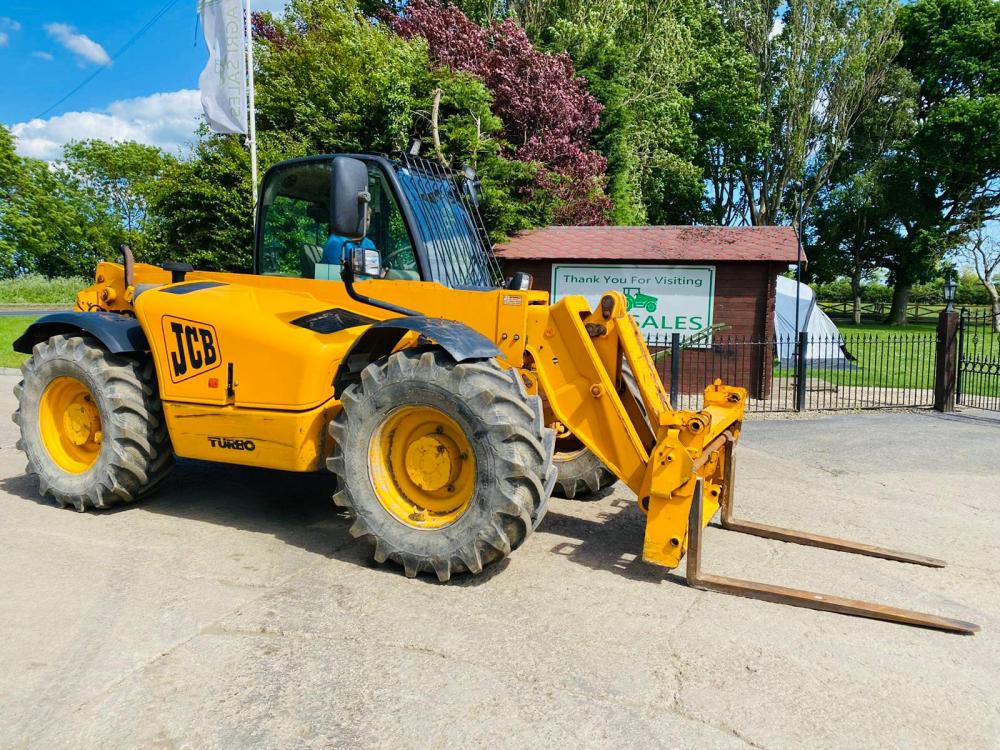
point(375, 339)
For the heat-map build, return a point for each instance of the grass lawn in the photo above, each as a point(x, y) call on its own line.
point(884, 331)
point(900, 357)
point(884, 356)
point(38, 290)
point(10, 329)
point(889, 356)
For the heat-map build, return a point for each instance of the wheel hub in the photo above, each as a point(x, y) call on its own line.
point(422, 467)
point(431, 461)
point(79, 421)
point(70, 424)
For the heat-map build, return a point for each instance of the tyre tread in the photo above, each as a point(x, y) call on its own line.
point(141, 455)
point(513, 419)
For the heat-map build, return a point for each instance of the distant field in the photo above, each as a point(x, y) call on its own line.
point(884, 331)
point(884, 356)
point(10, 329)
point(899, 357)
point(38, 290)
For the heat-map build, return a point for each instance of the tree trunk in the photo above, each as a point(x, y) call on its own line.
point(434, 128)
point(856, 294)
point(994, 303)
point(900, 301)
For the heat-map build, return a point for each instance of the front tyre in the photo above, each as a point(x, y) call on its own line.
point(91, 424)
point(446, 466)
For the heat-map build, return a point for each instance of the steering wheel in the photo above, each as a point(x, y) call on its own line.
point(403, 249)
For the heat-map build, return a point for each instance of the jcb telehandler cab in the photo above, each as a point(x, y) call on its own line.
point(376, 340)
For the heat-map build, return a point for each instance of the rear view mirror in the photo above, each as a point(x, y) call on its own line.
point(364, 261)
point(349, 198)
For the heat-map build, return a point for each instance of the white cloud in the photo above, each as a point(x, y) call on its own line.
point(81, 45)
point(776, 28)
point(7, 25)
point(167, 120)
point(42, 55)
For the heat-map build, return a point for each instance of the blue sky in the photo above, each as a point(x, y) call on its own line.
point(149, 93)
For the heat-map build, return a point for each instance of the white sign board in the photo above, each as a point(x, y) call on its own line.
point(662, 299)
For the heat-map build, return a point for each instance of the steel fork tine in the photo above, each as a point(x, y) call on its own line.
point(799, 597)
point(803, 537)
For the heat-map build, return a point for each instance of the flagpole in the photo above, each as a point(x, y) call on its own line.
point(252, 139)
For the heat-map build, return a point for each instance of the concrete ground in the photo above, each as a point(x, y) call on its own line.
point(232, 610)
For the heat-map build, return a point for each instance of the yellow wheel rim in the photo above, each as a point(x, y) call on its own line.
point(568, 447)
point(422, 467)
point(70, 424)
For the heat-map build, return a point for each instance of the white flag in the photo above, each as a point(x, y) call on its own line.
point(223, 82)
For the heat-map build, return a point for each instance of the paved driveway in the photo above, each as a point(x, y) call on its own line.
point(233, 610)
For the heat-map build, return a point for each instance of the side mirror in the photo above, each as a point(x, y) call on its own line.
point(349, 198)
point(362, 261)
point(520, 281)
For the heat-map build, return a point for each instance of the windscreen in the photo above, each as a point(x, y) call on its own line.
point(458, 249)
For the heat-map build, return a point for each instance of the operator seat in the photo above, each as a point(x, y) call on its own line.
point(309, 256)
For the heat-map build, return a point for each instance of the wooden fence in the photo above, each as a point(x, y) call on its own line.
point(916, 312)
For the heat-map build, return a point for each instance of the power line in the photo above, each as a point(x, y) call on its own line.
point(121, 50)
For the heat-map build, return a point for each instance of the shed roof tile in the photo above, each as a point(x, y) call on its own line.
point(653, 243)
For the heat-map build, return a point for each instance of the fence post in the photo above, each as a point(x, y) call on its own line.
point(800, 370)
point(675, 368)
point(963, 324)
point(946, 361)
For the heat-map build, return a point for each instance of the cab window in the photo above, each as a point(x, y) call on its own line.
point(296, 238)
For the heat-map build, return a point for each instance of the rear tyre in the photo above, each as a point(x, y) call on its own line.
point(581, 475)
point(91, 424)
point(446, 467)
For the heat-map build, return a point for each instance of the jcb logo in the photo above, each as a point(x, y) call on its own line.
point(192, 348)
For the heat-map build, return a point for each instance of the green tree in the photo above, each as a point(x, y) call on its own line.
point(850, 237)
point(726, 116)
point(49, 223)
point(125, 176)
point(205, 209)
point(328, 80)
point(640, 58)
point(852, 232)
point(943, 177)
point(818, 66)
point(334, 81)
point(11, 176)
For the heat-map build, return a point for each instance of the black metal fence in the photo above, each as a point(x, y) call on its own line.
point(978, 382)
point(852, 371)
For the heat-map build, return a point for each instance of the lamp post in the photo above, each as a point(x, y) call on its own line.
point(946, 382)
point(800, 338)
point(950, 287)
point(796, 186)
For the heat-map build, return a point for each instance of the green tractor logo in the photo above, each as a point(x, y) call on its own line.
point(634, 298)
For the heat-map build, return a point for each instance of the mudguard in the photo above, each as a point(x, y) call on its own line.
point(118, 333)
point(457, 339)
